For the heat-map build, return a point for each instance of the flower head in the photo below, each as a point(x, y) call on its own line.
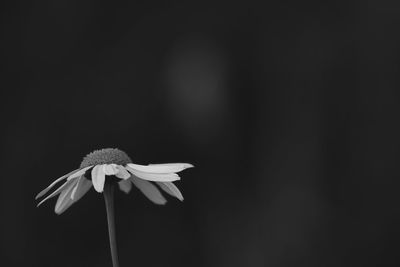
point(115, 166)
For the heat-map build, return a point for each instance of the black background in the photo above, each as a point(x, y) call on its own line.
point(289, 111)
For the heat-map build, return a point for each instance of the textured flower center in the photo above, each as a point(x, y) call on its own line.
point(106, 156)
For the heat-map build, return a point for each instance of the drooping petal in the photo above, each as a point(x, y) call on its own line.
point(125, 186)
point(122, 173)
point(161, 168)
point(76, 187)
point(156, 177)
point(149, 190)
point(65, 197)
point(98, 178)
point(80, 188)
point(171, 189)
point(56, 192)
point(86, 185)
point(44, 191)
point(65, 206)
point(110, 169)
point(79, 173)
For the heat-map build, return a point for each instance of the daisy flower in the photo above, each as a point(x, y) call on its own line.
point(116, 166)
point(110, 167)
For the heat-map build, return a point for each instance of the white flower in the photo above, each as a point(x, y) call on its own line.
point(115, 166)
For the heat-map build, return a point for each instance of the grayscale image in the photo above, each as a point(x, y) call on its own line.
point(199, 133)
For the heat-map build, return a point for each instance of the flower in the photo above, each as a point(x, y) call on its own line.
point(115, 166)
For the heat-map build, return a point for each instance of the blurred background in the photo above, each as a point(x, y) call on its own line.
point(288, 109)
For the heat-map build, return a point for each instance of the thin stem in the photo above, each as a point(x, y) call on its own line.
point(109, 200)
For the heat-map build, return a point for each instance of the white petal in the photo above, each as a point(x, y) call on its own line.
point(79, 173)
point(122, 173)
point(125, 186)
point(86, 185)
point(98, 178)
point(58, 191)
point(156, 177)
point(149, 190)
point(81, 188)
point(110, 169)
point(161, 168)
point(68, 202)
point(44, 191)
point(171, 189)
point(76, 188)
point(79, 191)
point(64, 200)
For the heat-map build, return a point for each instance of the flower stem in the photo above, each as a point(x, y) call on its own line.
point(109, 200)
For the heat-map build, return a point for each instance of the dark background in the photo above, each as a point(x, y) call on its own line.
point(289, 111)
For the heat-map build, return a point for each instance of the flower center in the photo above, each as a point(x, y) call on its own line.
point(106, 156)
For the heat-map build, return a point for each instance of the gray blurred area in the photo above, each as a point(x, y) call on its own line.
point(289, 110)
